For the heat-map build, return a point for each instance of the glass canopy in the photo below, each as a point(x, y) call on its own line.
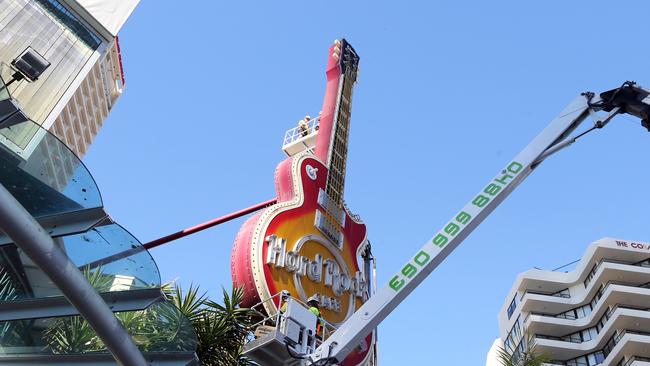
point(20, 279)
point(37, 324)
point(159, 328)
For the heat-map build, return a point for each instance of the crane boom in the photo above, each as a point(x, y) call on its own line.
point(629, 98)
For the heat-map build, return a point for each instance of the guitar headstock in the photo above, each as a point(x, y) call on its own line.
point(347, 58)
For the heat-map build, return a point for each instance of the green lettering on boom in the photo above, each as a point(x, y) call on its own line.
point(395, 283)
point(463, 217)
point(480, 201)
point(409, 270)
point(515, 167)
point(440, 240)
point(492, 189)
point(452, 229)
point(504, 179)
point(422, 258)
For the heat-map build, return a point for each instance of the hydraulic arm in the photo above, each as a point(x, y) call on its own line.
point(628, 98)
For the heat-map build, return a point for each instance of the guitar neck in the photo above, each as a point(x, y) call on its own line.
point(338, 154)
point(332, 141)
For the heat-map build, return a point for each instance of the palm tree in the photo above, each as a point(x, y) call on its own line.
point(221, 329)
point(528, 356)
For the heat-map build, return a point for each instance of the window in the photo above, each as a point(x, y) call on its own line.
point(512, 307)
point(73, 24)
point(513, 336)
point(591, 274)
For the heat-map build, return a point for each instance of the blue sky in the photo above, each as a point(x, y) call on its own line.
point(448, 93)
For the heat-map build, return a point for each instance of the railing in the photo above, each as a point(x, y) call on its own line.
point(593, 302)
point(559, 316)
point(603, 353)
point(592, 273)
point(603, 320)
point(562, 293)
point(271, 319)
point(609, 346)
point(274, 319)
point(305, 129)
point(552, 338)
point(630, 360)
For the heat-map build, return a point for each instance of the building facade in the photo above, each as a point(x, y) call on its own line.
point(78, 38)
point(84, 114)
point(597, 314)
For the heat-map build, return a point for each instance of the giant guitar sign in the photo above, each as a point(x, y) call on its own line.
point(308, 242)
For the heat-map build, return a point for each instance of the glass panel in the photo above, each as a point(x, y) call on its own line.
point(46, 177)
point(110, 257)
point(4, 92)
point(159, 328)
point(599, 357)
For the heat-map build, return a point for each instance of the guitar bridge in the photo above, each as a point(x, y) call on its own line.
point(328, 204)
point(329, 229)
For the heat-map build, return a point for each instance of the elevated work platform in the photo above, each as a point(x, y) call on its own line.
point(301, 138)
point(270, 349)
point(281, 338)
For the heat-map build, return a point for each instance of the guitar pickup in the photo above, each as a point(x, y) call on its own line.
point(328, 204)
point(329, 229)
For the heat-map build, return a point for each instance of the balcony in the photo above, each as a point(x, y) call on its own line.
point(596, 340)
point(562, 293)
point(301, 138)
point(635, 361)
point(644, 263)
point(573, 314)
point(636, 340)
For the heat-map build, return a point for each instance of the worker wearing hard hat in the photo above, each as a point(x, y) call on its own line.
point(314, 306)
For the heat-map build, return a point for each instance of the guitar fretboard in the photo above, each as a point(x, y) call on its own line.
point(339, 146)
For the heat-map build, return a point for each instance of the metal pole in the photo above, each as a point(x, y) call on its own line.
point(177, 235)
point(29, 236)
point(209, 224)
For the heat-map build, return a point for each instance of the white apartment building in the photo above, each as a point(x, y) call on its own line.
point(597, 314)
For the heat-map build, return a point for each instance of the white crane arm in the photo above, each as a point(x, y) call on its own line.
point(626, 99)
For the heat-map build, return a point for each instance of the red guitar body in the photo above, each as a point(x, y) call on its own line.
point(308, 243)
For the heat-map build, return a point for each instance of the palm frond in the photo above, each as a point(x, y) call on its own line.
point(190, 303)
point(527, 356)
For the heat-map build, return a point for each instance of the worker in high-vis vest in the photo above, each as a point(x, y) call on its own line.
point(284, 299)
point(314, 306)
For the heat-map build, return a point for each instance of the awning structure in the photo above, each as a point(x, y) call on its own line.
point(110, 14)
point(106, 16)
point(38, 324)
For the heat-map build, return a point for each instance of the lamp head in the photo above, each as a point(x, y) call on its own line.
point(30, 64)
